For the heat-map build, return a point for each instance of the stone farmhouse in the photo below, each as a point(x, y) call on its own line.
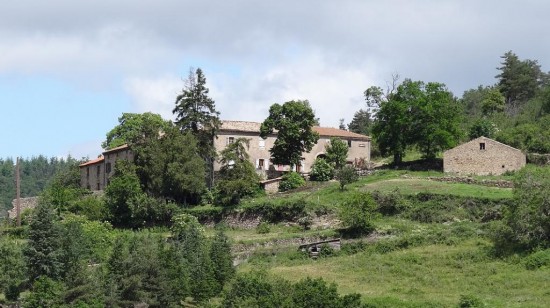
point(483, 156)
point(95, 174)
point(359, 145)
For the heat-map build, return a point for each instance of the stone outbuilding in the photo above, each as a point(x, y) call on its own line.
point(483, 156)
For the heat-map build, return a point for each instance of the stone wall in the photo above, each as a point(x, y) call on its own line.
point(470, 180)
point(26, 203)
point(483, 156)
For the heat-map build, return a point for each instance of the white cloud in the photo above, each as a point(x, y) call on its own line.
point(155, 95)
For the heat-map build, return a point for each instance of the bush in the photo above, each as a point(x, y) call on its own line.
point(321, 170)
point(390, 204)
point(469, 301)
point(290, 181)
point(263, 228)
point(346, 175)
point(528, 217)
point(358, 212)
point(271, 211)
point(538, 260)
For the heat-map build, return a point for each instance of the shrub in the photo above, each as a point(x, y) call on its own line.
point(346, 175)
point(538, 260)
point(263, 228)
point(528, 217)
point(321, 170)
point(390, 204)
point(358, 212)
point(290, 181)
point(470, 301)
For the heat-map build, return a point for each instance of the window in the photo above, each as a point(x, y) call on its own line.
point(230, 140)
point(98, 187)
point(349, 143)
point(88, 172)
point(482, 145)
point(98, 170)
point(261, 143)
point(261, 164)
point(108, 168)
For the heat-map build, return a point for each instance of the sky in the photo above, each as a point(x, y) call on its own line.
point(69, 69)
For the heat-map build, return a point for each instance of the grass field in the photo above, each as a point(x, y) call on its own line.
point(436, 274)
point(452, 259)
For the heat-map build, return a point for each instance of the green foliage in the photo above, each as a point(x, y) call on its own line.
point(337, 152)
point(43, 252)
point(538, 259)
point(321, 170)
point(493, 102)
point(417, 114)
point(357, 213)
point(482, 128)
point(133, 127)
point(222, 261)
point(92, 207)
point(346, 175)
point(273, 211)
point(46, 292)
point(171, 167)
point(533, 136)
point(361, 122)
point(260, 290)
point(192, 244)
point(293, 122)
point(527, 220)
point(122, 193)
point(470, 301)
point(291, 180)
point(519, 80)
point(263, 228)
point(196, 113)
point(237, 177)
point(12, 268)
point(36, 174)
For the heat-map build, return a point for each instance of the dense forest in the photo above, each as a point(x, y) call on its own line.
point(36, 173)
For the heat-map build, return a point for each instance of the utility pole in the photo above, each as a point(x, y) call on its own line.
point(18, 196)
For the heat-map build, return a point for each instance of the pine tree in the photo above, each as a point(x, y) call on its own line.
point(222, 262)
point(43, 253)
point(196, 113)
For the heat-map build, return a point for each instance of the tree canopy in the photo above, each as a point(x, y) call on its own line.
point(293, 121)
point(133, 128)
point(425, 115)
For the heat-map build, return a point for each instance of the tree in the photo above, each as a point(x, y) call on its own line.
point(342, 126)
point(493, 102)
point(171, 167)
point(361, 123)
point(518, 80)
point(482, 127)
point(346, 175)
point(222, 261)
point(337, 152)
point(191, 242)
point(417, 114)
point(122, 193)
point(134, 128)
point(237, 177)
point(293, 122)
point(196, 113)
point(12, 268)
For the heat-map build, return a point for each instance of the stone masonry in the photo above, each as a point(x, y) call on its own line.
point(483, 156)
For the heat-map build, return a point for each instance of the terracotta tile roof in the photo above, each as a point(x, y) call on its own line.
point(254, 127)
point(93, 161)
point(335, 132)
point(119, 148)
